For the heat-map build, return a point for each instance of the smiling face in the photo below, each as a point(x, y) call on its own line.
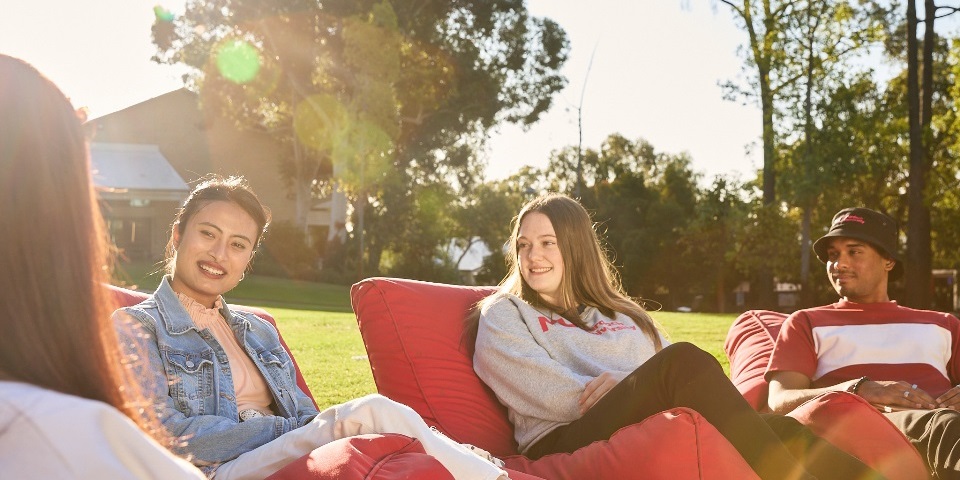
point(541, 264)
point(857, 271)
point(213, 251)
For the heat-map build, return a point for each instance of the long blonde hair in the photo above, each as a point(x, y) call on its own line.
point(589, 278)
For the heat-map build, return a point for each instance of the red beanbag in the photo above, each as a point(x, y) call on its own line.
point(856, 427)
point(414, 335)
point(843, 419)
point(749, 345)
point(671, 445)
point(366, 457)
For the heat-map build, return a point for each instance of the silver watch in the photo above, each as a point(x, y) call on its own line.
point(249, 413)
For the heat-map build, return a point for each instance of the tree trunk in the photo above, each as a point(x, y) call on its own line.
point(806, 293)
point(808, 195)
point(721, 292)
point(303, 200)
point(918, 262)
point(361, 212)
point(301, 186)
point(766, 296)
point(769, 149)
point(761, 46)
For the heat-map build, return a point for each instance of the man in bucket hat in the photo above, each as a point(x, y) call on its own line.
point(904, 361)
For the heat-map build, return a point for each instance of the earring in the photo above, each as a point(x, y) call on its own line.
point(243, 275)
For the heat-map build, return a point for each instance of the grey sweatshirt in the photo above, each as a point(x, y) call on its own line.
point(537, 363)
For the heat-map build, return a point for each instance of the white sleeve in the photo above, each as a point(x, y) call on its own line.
point(125, 451)
point(60, 436)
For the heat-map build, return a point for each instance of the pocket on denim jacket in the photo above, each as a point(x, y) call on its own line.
point(277, 362)
point(276, 357)
point(191, 379)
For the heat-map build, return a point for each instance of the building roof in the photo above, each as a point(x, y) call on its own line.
point(126, 171)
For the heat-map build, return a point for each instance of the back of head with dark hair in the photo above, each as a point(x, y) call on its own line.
point(54, 309)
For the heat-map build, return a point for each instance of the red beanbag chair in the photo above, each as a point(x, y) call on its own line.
point(851, 423)
point(749, 345)
point(367, 457)
point(413, 334)
point(843, 419)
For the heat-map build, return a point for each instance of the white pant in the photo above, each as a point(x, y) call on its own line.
point(371, 414)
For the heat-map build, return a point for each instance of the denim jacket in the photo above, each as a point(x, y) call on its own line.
point(186, 373)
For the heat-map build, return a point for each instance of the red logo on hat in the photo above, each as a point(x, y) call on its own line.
point(850, 218)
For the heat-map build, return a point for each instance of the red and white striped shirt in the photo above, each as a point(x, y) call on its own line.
point(884, 341)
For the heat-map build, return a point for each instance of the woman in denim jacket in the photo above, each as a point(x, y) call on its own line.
point(220, 378)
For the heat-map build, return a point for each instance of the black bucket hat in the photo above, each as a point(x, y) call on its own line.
point(873, 227)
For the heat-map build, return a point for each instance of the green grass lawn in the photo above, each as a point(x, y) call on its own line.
point(267, 292)
point(705, 330)
point(319, 327)
point(329, 350)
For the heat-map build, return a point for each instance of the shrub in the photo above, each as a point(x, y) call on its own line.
point(285, 253)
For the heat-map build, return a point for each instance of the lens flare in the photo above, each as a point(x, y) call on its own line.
point(238, 61)
point(162, 14)
point(364, 155)
point(318, 121)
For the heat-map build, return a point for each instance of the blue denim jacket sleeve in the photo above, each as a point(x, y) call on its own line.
point(182, 375)
point(209, 439)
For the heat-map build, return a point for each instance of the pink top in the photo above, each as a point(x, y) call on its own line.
point(248, 383)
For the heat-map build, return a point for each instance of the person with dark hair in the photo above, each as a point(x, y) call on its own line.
point(64, 411)
point(221, 380)
point(574, 359)
point(904, 361)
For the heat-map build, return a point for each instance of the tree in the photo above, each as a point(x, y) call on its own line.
point(430, 226)
point(484, 215)
point(924, 96)
point(918, 265)
point(764, 23)
point(822, 36)
point(641, 200)
point(710, 239)
point(798, 53)
point(442, 75)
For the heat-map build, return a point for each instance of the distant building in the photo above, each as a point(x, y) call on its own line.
point(788, 295)
point(195, 144)
point(138, 190)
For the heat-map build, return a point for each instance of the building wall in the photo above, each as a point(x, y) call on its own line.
point(139, 232)
point(195, 145)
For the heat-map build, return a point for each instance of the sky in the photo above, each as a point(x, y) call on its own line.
point(654, 75)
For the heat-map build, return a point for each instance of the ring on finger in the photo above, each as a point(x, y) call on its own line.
point(914, 386)
point(906, 394)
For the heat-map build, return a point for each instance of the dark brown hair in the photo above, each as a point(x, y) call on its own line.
point(54, 308)
point(214, 188)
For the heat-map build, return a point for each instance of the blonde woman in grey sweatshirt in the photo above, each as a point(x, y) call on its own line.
point(574, 359)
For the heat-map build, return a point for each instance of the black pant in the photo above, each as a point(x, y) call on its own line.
point(682, 375)
point(936, 435)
